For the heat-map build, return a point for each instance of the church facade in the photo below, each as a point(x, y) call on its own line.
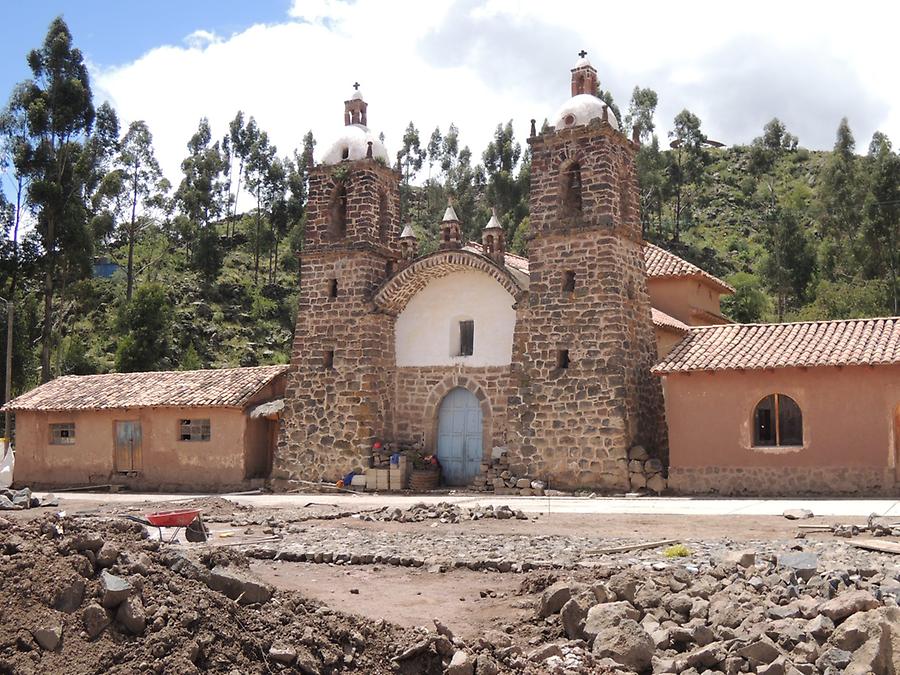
point(470, 348)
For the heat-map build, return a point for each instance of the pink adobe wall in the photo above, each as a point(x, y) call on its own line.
point(166, 461)
point(851, 424)
point(665, 340)
point(676, 297)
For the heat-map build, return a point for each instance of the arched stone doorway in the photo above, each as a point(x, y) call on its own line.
point(459, 436)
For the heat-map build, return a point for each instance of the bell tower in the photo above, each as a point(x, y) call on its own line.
point(336, 401)
point(584, 342)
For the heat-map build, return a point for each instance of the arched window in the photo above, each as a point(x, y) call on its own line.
point(337, 226)
point(571, 189)
point(777, 421)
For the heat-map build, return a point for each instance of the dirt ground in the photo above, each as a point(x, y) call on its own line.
point(408, 597)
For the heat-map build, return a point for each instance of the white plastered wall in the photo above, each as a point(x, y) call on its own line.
point(427, 330)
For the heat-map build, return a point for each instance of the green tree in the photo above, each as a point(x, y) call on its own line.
point(142, 184)
point(688, 163)
point(144, 325)
point(882, 215)
point(641, 109)
point(789, 262)
point(202, 197)
point(651, 172)
point(748, 303)
point(841, 197)
point(60, 113)
point(410, 159)
point(242, 137)
point(434, 149)
point(14, 149)
point(506, 180)
point(257, 168)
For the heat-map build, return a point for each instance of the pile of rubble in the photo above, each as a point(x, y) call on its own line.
point(96, 595)
point(15, 500)
point(644, 471)
point(443, 512)
point(782, 615)
point(496, 477)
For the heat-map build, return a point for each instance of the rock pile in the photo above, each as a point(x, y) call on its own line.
point(496, 477)
point(783, 616)
point(644, 471)
point(92, 596)
point(443, 512)
point(15, 500)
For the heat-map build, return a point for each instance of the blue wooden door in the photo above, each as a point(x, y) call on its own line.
point(459, 437)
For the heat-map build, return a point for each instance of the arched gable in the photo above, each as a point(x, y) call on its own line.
point(394, 295)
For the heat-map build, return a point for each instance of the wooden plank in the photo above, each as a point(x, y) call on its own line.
point(633, 547)
point(879, 546)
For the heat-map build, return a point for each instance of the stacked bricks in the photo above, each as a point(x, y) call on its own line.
point(338, 393)
point(495, 476)
point(584, 393)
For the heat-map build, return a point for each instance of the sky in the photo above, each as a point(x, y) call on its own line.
point(476, 63)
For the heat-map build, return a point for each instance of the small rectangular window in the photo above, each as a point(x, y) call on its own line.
point(569, 282)
point(333, 288)
point(466, 338)
point(328, 359)
point(562, 358)
point(62, 434)
point(193, 430)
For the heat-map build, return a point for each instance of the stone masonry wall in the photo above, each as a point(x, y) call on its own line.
point(334, 412)
point(782, 481)
point(576, 424)
point(420, 390)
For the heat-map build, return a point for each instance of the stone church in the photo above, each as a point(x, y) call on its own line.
point(560, 359)
point(471, 348)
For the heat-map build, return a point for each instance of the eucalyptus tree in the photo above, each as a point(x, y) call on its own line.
point(256, 168)
point(143, 184)
point(58, 105)
point(202, 198)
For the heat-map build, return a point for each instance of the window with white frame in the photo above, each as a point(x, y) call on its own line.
point(193, 430)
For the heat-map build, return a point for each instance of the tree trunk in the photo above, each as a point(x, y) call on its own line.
point(47, 328)
point(256, 242)
point(11, 312)
point(129, 275)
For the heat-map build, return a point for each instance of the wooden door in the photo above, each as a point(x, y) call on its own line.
point(128, 446)
point(459, 446)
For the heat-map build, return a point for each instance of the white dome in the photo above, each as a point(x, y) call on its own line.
point(353, 144)
point(581, 109)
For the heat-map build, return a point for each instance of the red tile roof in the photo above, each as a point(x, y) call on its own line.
point(223, 387)
point(786, 345)
point(663, 320)
point(661, 264)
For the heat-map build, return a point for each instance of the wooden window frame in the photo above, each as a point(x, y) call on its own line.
point(59, 438)
point(199, 425)
point(776, 423)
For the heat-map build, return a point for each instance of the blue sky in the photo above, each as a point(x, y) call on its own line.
point(475, 63)
point(111, 32)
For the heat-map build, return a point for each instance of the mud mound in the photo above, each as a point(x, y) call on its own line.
point(96, 596)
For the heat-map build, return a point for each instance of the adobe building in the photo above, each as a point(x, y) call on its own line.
point(190, 430)
point(784, 409)
point(470, 348)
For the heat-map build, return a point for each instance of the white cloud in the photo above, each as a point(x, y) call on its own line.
point(478, 64)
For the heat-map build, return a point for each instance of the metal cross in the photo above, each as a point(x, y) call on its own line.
point(356, 85)
point(582, 53)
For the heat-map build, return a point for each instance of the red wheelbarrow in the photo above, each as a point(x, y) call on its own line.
point(187, 518)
